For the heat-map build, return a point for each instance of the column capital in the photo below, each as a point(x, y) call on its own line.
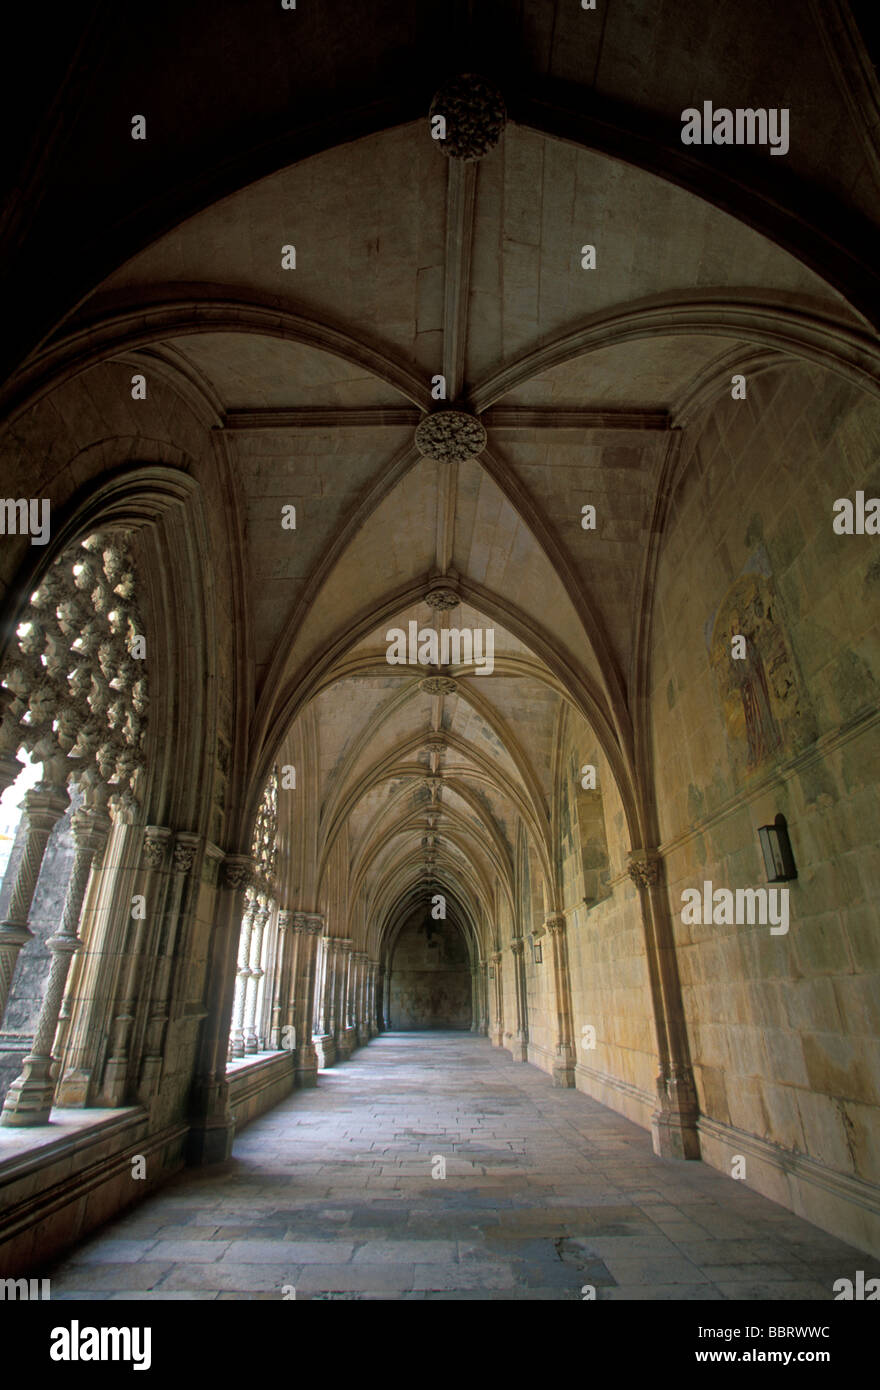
point(517, 946)
point(643, 867)
point(183, 856)
point(237, 872)
point(156, 838)
point(496, 957)
point(44, 805)
point(555, 924)
point(91, 827)
point(285, 919)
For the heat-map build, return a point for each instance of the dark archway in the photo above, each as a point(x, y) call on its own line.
point(430, 978)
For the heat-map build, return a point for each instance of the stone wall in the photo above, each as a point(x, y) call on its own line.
point(783, 1027)
point(430, 976)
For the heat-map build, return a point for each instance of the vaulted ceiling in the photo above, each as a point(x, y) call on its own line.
point(409, 265)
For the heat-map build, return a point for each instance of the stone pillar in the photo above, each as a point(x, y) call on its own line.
point(563, 1068)
point(44, 805)
point(180, 900)
point(285, 975)
point(475, 999)
point(325, 1040)
point(308, 927)
point(674, 1122)
point(242, 975)
point(372, 1024)
point(520, 1048)
point(132, 990)
point(361, 1021)
point(347, 1037)
point(484, 997)
point(497, 1032)
point(212, 1126)
point(31, 1095)
point(384, 977)
point(261, 917)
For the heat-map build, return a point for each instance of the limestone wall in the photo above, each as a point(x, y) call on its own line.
point(430, 977)
point(783, 1028)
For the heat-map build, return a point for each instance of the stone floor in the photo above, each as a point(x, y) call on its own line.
point(545, 1192)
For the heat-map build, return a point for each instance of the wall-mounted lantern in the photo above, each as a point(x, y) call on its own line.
point(776, 849)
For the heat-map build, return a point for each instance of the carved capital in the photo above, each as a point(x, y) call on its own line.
point(284, 919)
point(184, 852)
point(237, 872)
point(556, 924)
point(518, 946)
point(91, 827)
point(156, 838)
point(44, 805)
point(643, 867)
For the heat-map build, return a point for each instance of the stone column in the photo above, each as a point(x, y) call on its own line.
point(520, 1048)
point(261, 917)
point(242, 975)
point(386, 998)
point(497, 1033)
point(325, 1040)
point(44, 805)
point(133, 987)
point(475, 999)
point(170, 951)
point(212, 1125)
point(31, 1095)
point(363, 1031)
point(674, 1122)
point(563, 1068)
point(372, 1025)
point(309, 927)
point(347, 1037)
point(484, 997)
point(285, 975)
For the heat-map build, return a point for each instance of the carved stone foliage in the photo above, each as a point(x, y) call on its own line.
point(78, 681)
point(442, 597)
point(474, 113)
point(438, 685)
point(450, 436)
point(264, 845)
point(644, 868)
point(237, 873)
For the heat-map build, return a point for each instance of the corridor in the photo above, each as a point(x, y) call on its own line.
point(334, 1193)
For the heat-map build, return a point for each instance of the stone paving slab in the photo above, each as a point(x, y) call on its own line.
point(545, 1191)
